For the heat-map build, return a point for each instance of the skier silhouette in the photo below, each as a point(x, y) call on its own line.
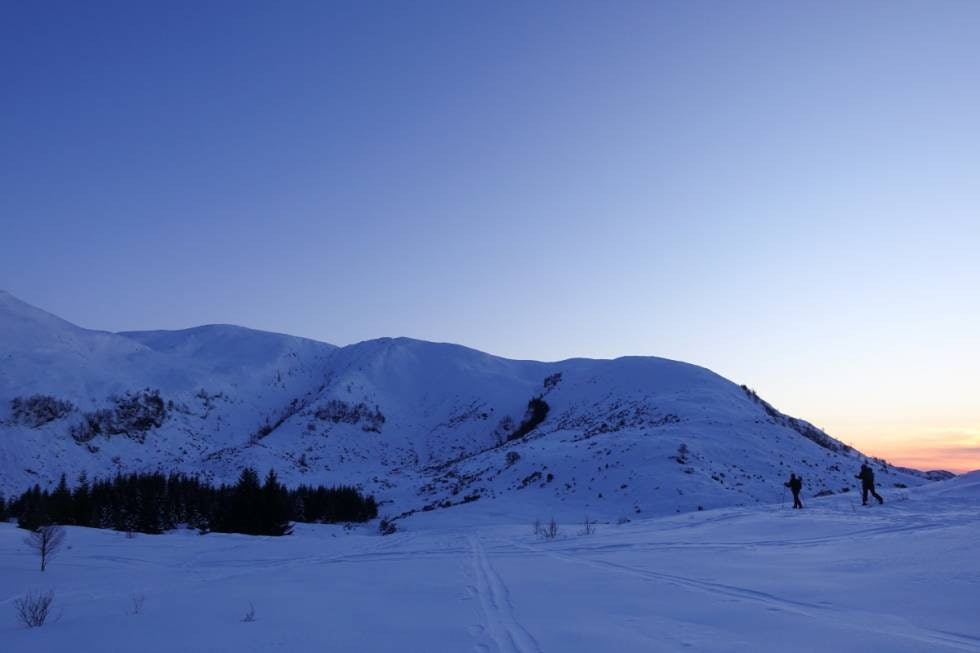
point(867, 477)
point(795, 483)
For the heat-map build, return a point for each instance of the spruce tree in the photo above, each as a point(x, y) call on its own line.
point(60, 503)
point(33, 513)
point(82, 501)
point(275, 507)
point(244, 507)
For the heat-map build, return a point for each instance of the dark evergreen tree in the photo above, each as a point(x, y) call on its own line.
point(82, 502)
point(244, 511)
point(153, 503)
point(275, 507)
point(59, 504)
point(31, 512)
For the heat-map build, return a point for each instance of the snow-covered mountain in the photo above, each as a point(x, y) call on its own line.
point(424, 426)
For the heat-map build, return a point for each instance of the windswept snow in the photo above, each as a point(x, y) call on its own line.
point(901, 578)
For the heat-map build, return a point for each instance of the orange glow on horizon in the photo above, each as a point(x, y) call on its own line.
point(952, 448)
point(930, 459)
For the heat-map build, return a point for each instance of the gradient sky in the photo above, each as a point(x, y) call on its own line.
point(787, 193)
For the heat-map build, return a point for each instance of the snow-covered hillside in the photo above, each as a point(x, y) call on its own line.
point(423, 426)
point(900, 578)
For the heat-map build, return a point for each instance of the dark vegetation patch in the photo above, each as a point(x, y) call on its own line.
point(132, 415)
point(337, 411)
point(37, 410)
point(551, 382)
point(154, 503)
point(293, 407)
point(537, 411)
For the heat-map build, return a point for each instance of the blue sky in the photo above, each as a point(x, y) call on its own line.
point(786, 193)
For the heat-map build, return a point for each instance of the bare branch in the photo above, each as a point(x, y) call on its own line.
point(46, 541)
point(32, 610)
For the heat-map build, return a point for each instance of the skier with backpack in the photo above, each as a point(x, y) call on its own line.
point(795, 483)
point(867, 478)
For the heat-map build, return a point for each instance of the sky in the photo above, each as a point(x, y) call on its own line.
point(786, 193)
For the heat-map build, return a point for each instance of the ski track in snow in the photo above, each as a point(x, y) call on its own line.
point(896, 627)
point(498, 610)
point(684, 545)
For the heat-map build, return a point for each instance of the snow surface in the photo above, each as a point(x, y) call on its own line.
point(902, 577)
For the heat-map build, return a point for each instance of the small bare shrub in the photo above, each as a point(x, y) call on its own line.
point(387, 527)
point(249, 614)
point(550, 531)
point(537, 527)
point(682, 453)
point(33, 610)
point(136, 603)
point(588, 527)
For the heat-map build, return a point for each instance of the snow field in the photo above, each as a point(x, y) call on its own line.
point(901, 577)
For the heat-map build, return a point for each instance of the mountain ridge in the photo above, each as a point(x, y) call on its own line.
point(423, 425)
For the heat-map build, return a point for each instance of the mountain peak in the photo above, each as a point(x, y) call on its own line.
point(24, 326)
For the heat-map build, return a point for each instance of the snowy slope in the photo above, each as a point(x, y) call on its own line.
point(901, 578)
point(425, 426)
point(219, 384)
point(964, 487)
point(41, 352)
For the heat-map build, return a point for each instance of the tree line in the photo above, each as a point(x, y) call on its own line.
point(154, 502)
